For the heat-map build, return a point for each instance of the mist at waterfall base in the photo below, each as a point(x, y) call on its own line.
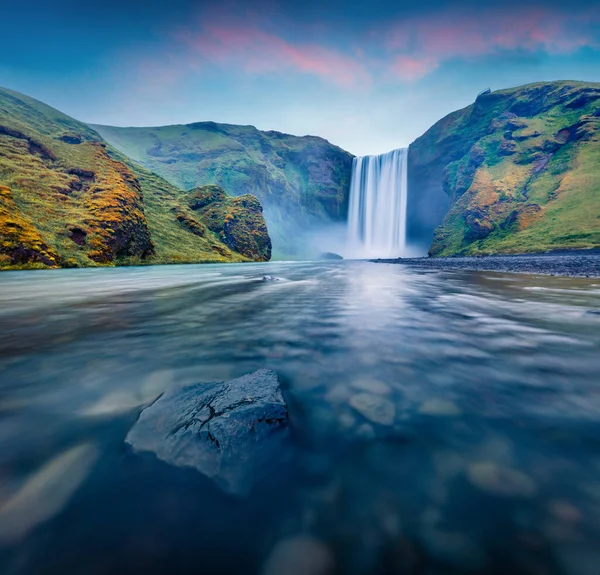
point(378, 207)
point(376, 225)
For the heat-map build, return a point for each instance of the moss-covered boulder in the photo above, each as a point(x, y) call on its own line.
point(238, 221)
point(519, 171)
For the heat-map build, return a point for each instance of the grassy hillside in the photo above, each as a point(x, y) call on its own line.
point(302, 182)
point(68, 199)
point(520, 168)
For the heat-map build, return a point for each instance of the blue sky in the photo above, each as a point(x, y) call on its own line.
point(369, 77)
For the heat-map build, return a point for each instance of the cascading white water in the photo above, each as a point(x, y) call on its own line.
point(377, 211)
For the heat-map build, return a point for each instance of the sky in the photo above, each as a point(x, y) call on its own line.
point(369, 77)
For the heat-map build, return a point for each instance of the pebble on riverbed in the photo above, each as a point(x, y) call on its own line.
point(365, 431)
point(374, 407)
point(493, 478)
point(300, 555)
point(439, 407)
point(564, 511)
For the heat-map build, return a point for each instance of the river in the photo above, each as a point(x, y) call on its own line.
point(488, 463)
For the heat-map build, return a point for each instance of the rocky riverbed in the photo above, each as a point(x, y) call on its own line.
point(575, 264)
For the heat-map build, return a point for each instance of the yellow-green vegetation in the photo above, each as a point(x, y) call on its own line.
point(521, 168)
point(67, 199)
point(301, 182)
point(20, 242)
point(174, 240)
point(238, 221)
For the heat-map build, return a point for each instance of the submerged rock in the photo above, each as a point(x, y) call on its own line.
point(227, 431)
point(331, 256)
point(300, 555)
point(374, 407)
point(493, 478)
point(439, 407)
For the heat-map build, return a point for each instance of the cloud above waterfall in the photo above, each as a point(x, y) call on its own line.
point(405, 48)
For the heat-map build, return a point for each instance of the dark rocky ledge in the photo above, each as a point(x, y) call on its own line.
point(228, 431)
point(576, 264)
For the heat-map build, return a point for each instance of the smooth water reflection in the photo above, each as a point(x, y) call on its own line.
point(443, 422)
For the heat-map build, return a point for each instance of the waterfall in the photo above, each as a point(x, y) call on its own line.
point(377, 211)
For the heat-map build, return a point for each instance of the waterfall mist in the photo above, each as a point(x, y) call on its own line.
point(377, 211)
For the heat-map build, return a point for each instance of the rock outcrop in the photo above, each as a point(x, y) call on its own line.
point(229, 431)
point(238, 221)
point(516, 172)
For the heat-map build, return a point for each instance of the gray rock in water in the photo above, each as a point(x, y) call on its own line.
point(300, 555)
point(331, 256)
point(374, 407)
point(270, 279)
point(228, 431)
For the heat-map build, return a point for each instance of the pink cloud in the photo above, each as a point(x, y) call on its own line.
point(422, 44)
point(405, 51)
point(257, 51)
point(412, 68)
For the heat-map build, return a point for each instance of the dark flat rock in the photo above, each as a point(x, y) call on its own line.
point(228, 431)
point(575, 264)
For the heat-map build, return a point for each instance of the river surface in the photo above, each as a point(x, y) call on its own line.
point(486, 458)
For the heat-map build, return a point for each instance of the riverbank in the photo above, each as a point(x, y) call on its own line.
point(573, 264)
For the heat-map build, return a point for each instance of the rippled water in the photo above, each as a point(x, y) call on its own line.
point(486, 458)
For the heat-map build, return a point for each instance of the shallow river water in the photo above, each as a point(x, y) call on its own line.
point(483, 457)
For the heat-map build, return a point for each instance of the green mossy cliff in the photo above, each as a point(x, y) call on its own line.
point(302, 182)
point(520, 168)
point(67, 199)
point(237, 220)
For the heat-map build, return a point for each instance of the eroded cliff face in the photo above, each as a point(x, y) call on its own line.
point(516, 172)
point(67, 199)
point(303, 183)
point(238, 221)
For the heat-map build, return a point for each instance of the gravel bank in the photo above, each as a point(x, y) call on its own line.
point(570, 264)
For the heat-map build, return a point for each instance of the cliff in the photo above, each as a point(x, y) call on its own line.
point(517, 171)
point(303, 183)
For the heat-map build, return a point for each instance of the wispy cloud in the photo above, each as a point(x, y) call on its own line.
point(257, 51)
point(405, 50)
point(422, 44)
